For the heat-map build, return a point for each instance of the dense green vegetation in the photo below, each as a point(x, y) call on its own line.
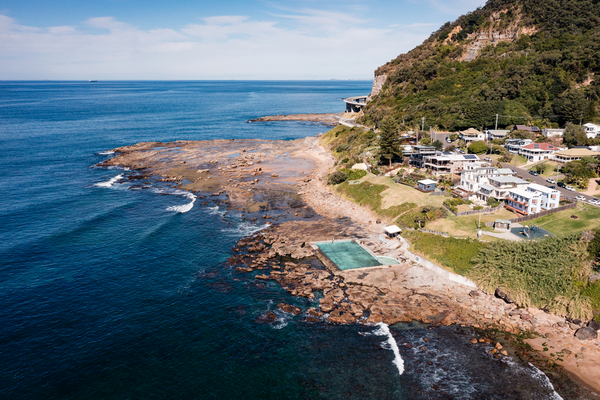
point(449, 252)
point(546, 74)
point(547, 273)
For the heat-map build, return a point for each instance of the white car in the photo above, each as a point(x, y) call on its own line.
point(580, 198)
point(571, 188)
point(594, 202)
point(550, 180)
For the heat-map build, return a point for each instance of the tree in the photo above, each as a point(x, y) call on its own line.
point(575, 135)
point(478, 148)
point(439, 146)
point(540, 168)
point(388, 139)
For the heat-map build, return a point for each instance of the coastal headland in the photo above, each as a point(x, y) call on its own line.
point(283, 183)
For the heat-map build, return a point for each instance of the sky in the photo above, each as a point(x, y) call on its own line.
point(204, 40)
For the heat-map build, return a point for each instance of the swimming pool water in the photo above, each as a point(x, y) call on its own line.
point(348, 255)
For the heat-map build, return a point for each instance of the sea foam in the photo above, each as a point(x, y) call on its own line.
point(109, 182)
point(106, 153)
point(186, 207)
point(390, 344)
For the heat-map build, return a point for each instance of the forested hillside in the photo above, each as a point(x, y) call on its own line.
point(526, 60)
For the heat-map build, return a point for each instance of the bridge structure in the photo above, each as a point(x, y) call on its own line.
point(355, 103)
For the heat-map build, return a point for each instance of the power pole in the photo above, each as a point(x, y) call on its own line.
point(496, 121)
point(423, 123)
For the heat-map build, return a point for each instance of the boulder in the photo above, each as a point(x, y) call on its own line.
point(313, 312)
point(289, 308)
point(262, 277)
point(474, 293)
point(594, 325)
point(326, 304)
point(266, 318)
point(502, 294)
point(586, 333)
point(341, 317)
point(243, 269)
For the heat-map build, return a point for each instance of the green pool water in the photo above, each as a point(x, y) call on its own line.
point(348, 255)
point(388, 260)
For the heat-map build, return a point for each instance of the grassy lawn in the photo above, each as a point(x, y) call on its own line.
point(561, 223)
point(496, 157)
point(398, 194)
point(466, 226)
point(550, 171)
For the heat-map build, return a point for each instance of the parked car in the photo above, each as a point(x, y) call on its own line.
point(487, 159)
point(594, 202)
point(461, 151)
point(550, 180)
point(561, 184)
point(569, 187)
point(552, 186)
point(580, 198)
point(532, 172)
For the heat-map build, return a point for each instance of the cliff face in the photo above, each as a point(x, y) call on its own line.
point(525, 59)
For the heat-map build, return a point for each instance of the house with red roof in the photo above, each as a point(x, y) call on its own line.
point(538, 151)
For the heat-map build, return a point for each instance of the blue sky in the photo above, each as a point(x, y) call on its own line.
point(252, 39)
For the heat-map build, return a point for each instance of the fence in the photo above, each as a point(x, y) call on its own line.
point(538, 215)
point(438, 193)
point(445, 234)
point(472, 212)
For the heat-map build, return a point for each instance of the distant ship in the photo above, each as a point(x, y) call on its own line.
point(91, 80)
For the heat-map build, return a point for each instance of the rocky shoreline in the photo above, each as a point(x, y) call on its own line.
point(283, 182)
point(329, 119)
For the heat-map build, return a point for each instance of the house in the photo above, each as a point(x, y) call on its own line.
point(448, 163)
point(532, 199)
point(573, 154)
point(426, 185)
point(419, 152)
point(499, 186)
point(533, 129)
point(550, 197)
point(591, 130)
point(471, 135)
point(514, 145)
point(523, 201)
point(538, 151)
point(496, 134)
point(556, 133)
point(475, 175)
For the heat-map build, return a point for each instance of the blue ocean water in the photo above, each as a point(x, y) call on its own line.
point(106, 294)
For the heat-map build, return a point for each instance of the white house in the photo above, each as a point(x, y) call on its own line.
point(550, 197)
point(496, 134)
point(471, 135)
point(573, 154)
point(549, 133)
point(523, 201)
point(538, 151)
point(591, 130)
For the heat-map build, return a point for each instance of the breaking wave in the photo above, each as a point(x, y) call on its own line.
point(109, 182)
point(186, 207)
point(106, 153)
point(390, 344)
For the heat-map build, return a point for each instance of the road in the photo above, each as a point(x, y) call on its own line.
point(564, 193)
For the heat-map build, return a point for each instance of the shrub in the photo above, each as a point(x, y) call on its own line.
point(345, 160)
point(375, 171)
point(336, 178)
point(354, 174)
point(492, 202)
point(342, 147)
point(541, 273)
point(478, 208)
point(477, 148)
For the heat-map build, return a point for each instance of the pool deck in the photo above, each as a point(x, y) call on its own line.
point(334, 268)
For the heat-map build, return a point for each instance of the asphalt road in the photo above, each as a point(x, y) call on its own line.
point(564, 193)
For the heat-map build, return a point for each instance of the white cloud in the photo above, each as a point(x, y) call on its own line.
point(305, 44)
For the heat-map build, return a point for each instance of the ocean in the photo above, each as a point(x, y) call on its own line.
point(109, 291)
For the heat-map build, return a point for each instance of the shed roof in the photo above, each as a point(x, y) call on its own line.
point(392, 229)
point(427, 182)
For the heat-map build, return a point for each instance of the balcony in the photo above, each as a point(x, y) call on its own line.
point(516, 210)
point(517, 201)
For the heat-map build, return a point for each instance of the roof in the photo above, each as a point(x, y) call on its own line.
point(524, 193)
point(487, 187)
point(541, 147)
point(577, 153)
point(503, 221)
point(427, 182)
point(471, 131)
point(541, 188)
point(527, 128)
point(507, 179)
point(392, 229)
point(505, 171)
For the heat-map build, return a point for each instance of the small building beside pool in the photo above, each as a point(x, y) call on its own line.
point(427, 185)
point(392, 230)
point(502, 225)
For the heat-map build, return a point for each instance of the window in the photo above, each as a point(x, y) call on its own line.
point(534, 201)
point(554, 196)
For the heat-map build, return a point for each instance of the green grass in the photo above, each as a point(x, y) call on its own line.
point(592, 291)
point(561, 223)
point(550, 171)
point(466, 226)
point(368, 194)
point(453, 254)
